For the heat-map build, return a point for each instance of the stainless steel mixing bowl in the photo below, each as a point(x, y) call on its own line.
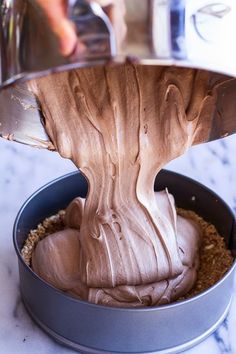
point(186, 33)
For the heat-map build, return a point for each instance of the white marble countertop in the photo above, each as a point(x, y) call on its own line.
point(23, 170)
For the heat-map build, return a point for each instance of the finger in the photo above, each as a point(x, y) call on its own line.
point(56, 12)
point(67, 36)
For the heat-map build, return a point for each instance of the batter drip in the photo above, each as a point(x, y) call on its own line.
point(120, 125)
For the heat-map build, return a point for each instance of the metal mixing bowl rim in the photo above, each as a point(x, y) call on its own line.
point(184, 64)
point(109, 308)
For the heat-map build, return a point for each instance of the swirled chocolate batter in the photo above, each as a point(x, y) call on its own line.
point(124, 245)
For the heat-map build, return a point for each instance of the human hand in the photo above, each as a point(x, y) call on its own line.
point(56, 11)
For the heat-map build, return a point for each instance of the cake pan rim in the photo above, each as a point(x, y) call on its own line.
point(174, 350)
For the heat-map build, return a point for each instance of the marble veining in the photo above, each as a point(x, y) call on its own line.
point(23, 170)
point(222, 337)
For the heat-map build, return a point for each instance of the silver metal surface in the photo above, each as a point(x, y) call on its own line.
point(190, 33)
point(85, 350)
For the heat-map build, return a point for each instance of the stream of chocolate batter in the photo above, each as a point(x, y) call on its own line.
point(124, 245)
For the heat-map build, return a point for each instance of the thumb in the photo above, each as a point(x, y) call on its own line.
point(56, 12)
point(66, 34)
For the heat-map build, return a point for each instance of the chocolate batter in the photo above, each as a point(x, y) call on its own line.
point(125, 245)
